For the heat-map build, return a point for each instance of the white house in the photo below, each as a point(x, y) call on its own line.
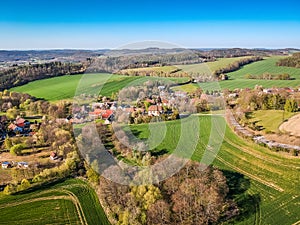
point(155, 110)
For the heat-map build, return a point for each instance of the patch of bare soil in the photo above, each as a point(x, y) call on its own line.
point(292, 126)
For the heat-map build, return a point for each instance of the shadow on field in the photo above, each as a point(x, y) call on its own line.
point(238, 185)
point(42, 186)
point(160, 152)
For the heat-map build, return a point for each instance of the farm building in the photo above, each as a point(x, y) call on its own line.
point(22, 165)
point(6, 165)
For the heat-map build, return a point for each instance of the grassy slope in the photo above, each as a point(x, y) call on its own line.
point(237, 79)
point(270, 181)
point(70, 202)
point(210, 66)
point(65, 87)
point(270, 119)
point(145, 69)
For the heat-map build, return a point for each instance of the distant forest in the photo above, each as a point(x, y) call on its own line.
point(19, 75)
point(110, 61)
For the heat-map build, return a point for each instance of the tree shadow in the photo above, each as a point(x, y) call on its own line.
point(42, 186)
point(238, 184)
point(249, 115)
point(159, 152)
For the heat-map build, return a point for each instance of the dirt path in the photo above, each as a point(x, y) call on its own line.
point(292, 126)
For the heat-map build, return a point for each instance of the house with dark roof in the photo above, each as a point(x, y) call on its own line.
point(6, 165)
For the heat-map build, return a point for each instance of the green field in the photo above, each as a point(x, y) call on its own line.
point(270, 120)
point(65, 87)
point(237, 78)
point(209, 67)
point(70, 202)
point(149, 69)
point(264, 183)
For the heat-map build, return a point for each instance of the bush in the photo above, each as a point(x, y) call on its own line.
point(17, 149)
point(294, 152)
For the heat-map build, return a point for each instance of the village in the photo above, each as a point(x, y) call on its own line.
point(164, 104)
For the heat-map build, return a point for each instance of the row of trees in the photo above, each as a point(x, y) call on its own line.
point(292, 61)
point(114, 63)
point(236, 65)
point(256, 100)
point(154, 72)
point(14, 104)
point(20, 75)
point(269, 76)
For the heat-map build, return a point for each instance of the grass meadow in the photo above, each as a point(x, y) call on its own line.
point(265, 184)
point(65, 87)
point(237, 78)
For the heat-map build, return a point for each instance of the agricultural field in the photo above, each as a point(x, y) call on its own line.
point(237, 78)
point(209, 67)
point(166, 69)
point(265, 184)
point(70, 202)
point(65, 87)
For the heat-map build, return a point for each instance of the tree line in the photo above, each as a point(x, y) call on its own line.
point(20, 75)
point(269, 76)
point(236, 65)
point(292, 61)
point(256, 100)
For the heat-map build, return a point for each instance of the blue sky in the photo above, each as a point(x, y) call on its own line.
point(99, 24)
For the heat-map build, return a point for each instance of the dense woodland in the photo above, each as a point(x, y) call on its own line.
point(116, 63)
point(191, 196)
point(237, 52)
point(292, 61)
point(19, 75)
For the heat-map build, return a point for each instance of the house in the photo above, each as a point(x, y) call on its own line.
point(233, 95)
point(106, 114)
point(267, 90)
point(22, 165)
point(150, 100)
point(224, 77)
point(15, 128)
point(165, 102)
point(53, 156)
point(20, 122)
point(107, 122)
point(161, 87)
point(155, 110)
point(180, 94)
point(101, 113)
point(6, 165)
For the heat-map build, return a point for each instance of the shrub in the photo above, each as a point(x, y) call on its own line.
point(17, 149)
